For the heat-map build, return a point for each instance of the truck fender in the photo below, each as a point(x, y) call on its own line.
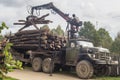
point(84, 57)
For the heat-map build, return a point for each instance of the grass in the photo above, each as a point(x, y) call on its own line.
point(107, 78)
point(94, 77)
point(7, 78)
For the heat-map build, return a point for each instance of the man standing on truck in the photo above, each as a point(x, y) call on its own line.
point(74, 29)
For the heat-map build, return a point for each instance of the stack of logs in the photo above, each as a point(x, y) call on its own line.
point(37, 39)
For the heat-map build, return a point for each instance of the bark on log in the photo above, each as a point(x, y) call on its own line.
point(34, 39)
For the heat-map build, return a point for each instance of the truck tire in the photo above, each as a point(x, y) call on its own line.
point(84, 69)
point(36, 64)
point(46, 65)
point(113, 71)
point(103, 71)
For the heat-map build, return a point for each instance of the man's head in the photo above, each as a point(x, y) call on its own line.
point(73, 15)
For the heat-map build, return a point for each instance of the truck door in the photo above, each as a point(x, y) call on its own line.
point(71, 53)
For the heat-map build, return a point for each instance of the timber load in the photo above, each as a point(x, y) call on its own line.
point(37, 40)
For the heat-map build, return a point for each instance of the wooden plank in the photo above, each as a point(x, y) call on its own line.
point(19, 23)
point(28, 32)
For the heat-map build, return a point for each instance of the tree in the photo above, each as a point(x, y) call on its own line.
point(105, 39)
point(89, 31)
point(58, 31)
point(45, 27)
point(53, 31)
point(115, 48)
point(99, 38)
point(9, 63)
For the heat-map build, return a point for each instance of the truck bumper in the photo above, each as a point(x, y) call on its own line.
point(109, 62)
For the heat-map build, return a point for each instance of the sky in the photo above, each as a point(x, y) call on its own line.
point(102, 13)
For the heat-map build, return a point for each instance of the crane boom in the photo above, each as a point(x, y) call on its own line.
point(51, 6)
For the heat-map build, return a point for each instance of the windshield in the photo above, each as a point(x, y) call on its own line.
point(85, 44)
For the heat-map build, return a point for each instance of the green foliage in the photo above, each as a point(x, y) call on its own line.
point(89, 31)
point(3, 26)
point(1, 37)
point(99, 38)
point(7, 78)
point(116, 44)
point(45, 27)
point(107, 78)
point(53, 31)
point(58, 31)
point(105, 39)
point(96, 39)
point(9, 63)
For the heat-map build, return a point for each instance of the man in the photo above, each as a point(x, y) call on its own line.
point(75, 21)
point(74, 27)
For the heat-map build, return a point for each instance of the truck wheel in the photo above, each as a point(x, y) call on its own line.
point(36, 64)
point(46, 65)
point(103, 71)
point(113, 71)
point(84, 69)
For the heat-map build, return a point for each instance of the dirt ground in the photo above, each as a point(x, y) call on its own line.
point(28, 74)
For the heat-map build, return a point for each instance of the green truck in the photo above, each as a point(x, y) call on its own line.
point(77, 53)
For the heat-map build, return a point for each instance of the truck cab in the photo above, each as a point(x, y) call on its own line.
point(88, 59)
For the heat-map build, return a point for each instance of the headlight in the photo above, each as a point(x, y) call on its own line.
point(110, 58)
point(91, 55)
point(90, 51)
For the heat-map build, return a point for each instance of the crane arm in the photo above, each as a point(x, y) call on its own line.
point(51, 6)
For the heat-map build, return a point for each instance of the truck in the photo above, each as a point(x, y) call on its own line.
point(77, 53)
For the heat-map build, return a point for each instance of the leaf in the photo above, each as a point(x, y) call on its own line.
point(10, 63)
point(4, 25)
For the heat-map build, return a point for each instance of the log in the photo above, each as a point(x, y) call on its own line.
point(42, 17)
point(27, 42)
point(31, 35)
point(24, 39)
point(26, 46)
point(28, 32)
point(43, 37)
point(34, 39)
point(21, 21)
point(29, 22)
point(44, 42)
